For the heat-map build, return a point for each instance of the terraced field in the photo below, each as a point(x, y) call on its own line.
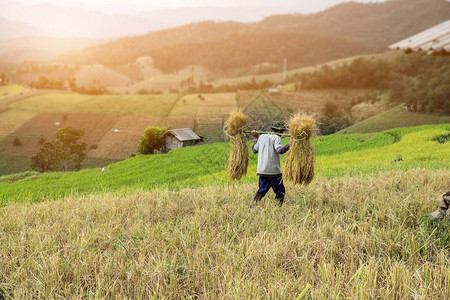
point(11, 90)
point(164, 82)
point(99, 75)
point(44, 125)
point(11, 120)
point(169, 226)
point(13, 163)
point(140, 105)
point(307, 100)
point(32, 117)
point(98, 128)
point(191, 167)
point(120, 145)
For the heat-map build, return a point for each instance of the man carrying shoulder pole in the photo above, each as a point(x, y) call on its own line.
point(269, 147)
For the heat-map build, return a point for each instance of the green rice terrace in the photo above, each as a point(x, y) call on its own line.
point(170, 226)
point(205, 165)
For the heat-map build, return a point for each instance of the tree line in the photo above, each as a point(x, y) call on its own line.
point(44, 83)
point(420, 81)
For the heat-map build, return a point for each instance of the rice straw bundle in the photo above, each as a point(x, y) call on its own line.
point(299, 162)
point(238, 161)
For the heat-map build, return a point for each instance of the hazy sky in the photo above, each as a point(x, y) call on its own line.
point(128, 6)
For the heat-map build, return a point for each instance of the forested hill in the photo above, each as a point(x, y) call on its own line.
point(373, 24)
point(344, 30)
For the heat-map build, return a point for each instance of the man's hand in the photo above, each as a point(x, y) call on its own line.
point(254, 133)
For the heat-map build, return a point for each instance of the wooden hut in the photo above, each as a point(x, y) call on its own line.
point(183, 137)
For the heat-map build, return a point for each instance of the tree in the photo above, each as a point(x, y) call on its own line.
point(42, 83)
point(73, 84)
point(17, 142)
point(332, 120)
point(65, 153)
point(151, 141)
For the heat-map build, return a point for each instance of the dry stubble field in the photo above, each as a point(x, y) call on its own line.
point(359, 237)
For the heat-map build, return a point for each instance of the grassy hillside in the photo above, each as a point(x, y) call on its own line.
point(168, 226)
point(143, 105)
point(205, 165)
point(278, 77)
point(356, 237)
point(11, 90)
point(393, 118)
point(13, 163)
point(101, 76)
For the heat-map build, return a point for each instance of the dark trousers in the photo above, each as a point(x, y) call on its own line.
point(268, 182)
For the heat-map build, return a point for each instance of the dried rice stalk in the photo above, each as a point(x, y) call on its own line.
point(238, 161)
point(299, 162)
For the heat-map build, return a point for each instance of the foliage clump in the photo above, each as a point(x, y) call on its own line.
point(17, 142)
point(45, 83)
point(65, 153)
point(418, 80)
point(41, 141)
point(152, 141)
point(442, 139)
point(332, 119)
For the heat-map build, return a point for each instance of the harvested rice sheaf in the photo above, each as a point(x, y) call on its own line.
point(299, 162)
point(238, 161)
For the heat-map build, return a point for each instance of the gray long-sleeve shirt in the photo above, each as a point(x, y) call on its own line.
point(269, 147)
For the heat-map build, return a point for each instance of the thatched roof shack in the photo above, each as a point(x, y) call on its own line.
point(435, 40)
point(183, 137)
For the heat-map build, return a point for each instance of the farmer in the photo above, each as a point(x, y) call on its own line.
point(269, 147)
point(443, 211)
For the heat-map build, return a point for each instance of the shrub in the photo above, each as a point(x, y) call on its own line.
point(64, 153)
point(332, 119)
point(151, 141)
point(142, 92)
point(17, 142)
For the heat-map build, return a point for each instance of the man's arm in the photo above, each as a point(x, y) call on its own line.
point(283, 149)
point(278, 146)
point(255, 147)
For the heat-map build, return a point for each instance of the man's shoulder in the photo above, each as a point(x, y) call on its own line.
point(269, 139)
point(268, 136)
point(274, 137)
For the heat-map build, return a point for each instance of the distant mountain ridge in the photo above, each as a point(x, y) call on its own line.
point(66, 21)
point(344, 30)
point(181, 16)
point(39, 48)
point(374, 24)
point(11, 29)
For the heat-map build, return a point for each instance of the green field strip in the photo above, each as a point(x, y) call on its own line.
point(394, 118)
point(205, 165)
